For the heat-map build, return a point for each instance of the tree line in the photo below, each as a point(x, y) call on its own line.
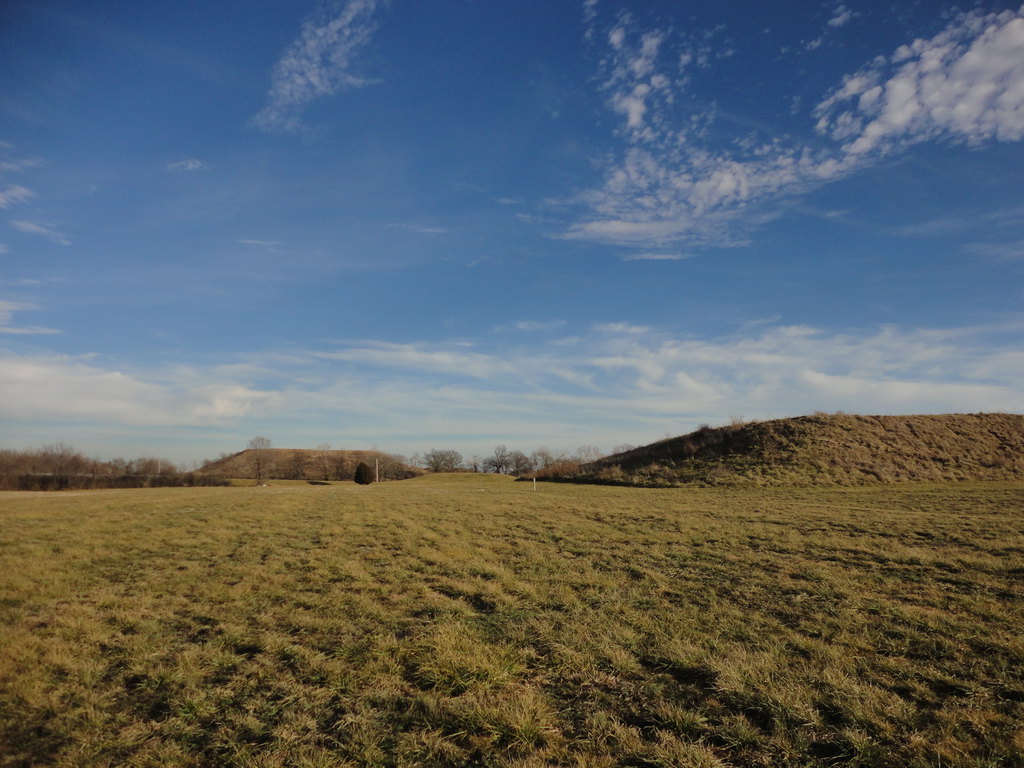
point(59, 467)
point(504, 461)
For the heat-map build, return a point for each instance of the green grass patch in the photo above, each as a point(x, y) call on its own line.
point(470, 620)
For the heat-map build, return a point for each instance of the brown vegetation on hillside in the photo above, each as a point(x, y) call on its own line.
point(321, 464)
point(823, 449)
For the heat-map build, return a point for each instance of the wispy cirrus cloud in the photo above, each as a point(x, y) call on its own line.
point(531, 326)
point(648, 256)
point(15, 194)
point(318, 63)
point(670, 184)
point(7, 310)
point(421, 229)
point(33, 228)
point(11, 164)
point(1011, 251)
point(186, 165)
point(841, 16)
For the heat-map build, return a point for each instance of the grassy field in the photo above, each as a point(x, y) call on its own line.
point(469, 620)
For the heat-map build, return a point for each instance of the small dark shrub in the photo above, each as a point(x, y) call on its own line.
point(364, 475)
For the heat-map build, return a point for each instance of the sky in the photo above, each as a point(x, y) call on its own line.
point(410, 225)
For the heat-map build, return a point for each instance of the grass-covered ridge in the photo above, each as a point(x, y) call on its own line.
point(824, 449)
point(469, 620)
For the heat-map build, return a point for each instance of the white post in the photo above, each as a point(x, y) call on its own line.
point(535, 483)
point(377, 465)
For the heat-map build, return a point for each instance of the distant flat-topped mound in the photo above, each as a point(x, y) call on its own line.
point(308, 464)
point(827, 449)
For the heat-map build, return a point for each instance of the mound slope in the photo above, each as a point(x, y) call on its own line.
point(827, 449)
point(306, 464)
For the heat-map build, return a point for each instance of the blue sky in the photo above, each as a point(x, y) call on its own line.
point(412, 225)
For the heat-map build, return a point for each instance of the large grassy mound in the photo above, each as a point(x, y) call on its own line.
point(836, 449)
point(307, 464)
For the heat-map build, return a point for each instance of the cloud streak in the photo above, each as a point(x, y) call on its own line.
point(186, 165)
point(54, 389)
point(7, 310)
point(15, 194)
point(318, 63)
point(32, 228)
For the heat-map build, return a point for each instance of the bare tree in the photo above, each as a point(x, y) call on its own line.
point(393, 467)
point(544, 458)
point(342, 466)
point(442, 460)
point(323, 456)
point(297, 470)
point(61, 461)
point(588, 453)
point(498, 461)
point(259, 458)
point(519, 463)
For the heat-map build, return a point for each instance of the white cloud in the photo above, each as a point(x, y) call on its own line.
point(17, 166)
point(985, 220)
point(667, 185)
point(60, 388)
point(7, 310)
point(539, 325)
point(318, 63)
point(31, 228)
point(841, 16)
point(188, 164)
point(27, 330)
point(15, 194)
point(421, 229)
point(621, 328)
point(965, 84)
point(652, 378)
point(1003, 251)
point(262, 243)
point(435, 358)
point(657, 257)
point(589, 18)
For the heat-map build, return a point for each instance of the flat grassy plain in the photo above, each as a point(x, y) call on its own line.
point(469, 620)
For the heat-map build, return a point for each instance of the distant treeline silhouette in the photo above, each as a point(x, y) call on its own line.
point(59, 467)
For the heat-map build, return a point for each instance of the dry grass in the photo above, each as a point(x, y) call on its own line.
point(824, 449)
point(468, 620)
